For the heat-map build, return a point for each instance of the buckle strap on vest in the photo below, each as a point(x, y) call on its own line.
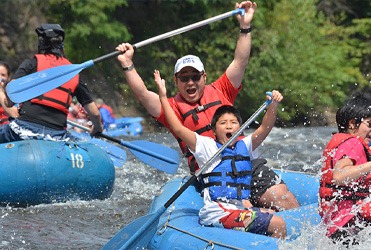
point(194, 111)
point(353, 198)
point(204, 129)
point(198, 131)
point(234, 159)
point(346, 188)
point(66, 105)
point(241, 173)
point(239, 186)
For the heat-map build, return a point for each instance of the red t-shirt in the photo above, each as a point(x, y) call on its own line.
point(223, 85)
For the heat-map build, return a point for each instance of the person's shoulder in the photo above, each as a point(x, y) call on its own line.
point(352, 144)
point(204, 139)
point(29, 62)
point(223, 80)
point(353, 141)
point(28, 66)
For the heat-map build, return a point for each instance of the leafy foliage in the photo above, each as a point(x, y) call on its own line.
point(314, 53)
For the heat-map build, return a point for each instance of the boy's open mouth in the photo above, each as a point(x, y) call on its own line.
point(229, 135)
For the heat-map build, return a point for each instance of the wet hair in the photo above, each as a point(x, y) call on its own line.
point(50, 39)
point(225, 109)
point(357, 107)
point(6, 65)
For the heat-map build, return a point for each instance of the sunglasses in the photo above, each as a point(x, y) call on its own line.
point(194, 78)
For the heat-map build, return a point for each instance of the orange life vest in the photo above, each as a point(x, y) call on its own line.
point(81, 114)
point(330, 192)
point(61, 97)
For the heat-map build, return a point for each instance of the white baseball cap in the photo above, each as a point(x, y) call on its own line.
point(189, 60)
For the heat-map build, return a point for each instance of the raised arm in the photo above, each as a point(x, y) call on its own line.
point(187, 135)
point(236, 69)
point(268, 120)
point(149, 99)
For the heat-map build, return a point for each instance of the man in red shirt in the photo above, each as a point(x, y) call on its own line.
point(196, 103)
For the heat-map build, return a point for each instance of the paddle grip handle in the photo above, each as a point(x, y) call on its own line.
point(106, 57)
point(269, 101)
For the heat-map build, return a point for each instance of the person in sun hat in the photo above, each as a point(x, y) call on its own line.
point(45, 117)
point(196, 103)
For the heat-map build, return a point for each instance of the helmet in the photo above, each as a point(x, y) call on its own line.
point(49, 38)
point(50, 30)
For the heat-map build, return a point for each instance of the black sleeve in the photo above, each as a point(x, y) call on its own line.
point(27, 67)
point(82, 93)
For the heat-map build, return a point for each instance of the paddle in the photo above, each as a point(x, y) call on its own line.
point(132, 237)
point(156, 155)
point(36, 84)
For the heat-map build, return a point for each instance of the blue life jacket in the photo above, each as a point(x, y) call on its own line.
point(231, 178)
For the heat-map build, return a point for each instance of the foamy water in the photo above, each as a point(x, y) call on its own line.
point(90, 224)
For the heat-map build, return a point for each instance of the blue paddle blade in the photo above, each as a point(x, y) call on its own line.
point(156, 155)
point(36, 84)
point(117, 241)
point(117, 155)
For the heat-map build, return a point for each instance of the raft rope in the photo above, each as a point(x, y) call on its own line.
point(209, 242)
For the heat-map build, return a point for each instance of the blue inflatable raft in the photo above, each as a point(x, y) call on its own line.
point(178, 227)
point(36, 171)
point(127, 126)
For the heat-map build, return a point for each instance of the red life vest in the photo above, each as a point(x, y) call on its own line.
point(109, 110)
point(197, 117)
point(3, 116)
point(330, 192)
point(61, 97)
point(82, 114)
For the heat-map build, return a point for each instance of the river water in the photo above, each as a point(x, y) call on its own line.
point(90, 224)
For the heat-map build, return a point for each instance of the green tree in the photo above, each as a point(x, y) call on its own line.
point(299, 54)
point(315, 57)
point(91, 27)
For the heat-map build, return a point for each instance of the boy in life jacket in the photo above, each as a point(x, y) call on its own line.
point(224, 196)
point(5, 112)
point(45, 117)
point(196, 102)
point(345, 182)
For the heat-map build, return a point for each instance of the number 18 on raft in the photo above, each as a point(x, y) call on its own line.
point(77, 160)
